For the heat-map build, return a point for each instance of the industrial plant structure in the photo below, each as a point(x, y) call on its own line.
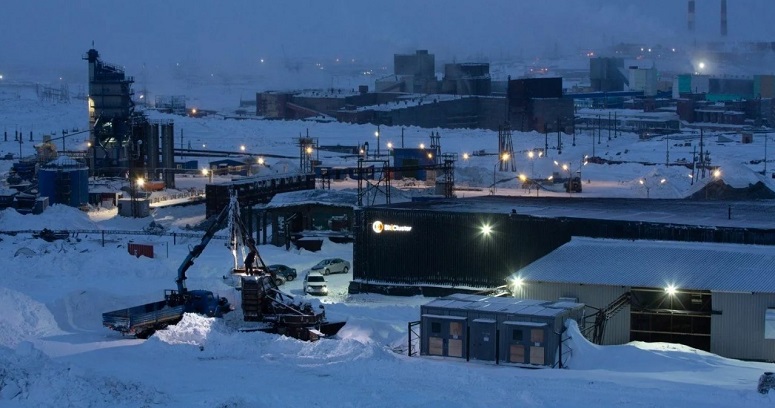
point(124, 141)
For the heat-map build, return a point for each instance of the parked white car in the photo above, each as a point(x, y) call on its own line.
point(315, 284)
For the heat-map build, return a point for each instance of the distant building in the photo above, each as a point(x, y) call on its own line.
point(607, 74)
point(538, 104)
point(421, 66)
point(467, 79)
point(643, 79)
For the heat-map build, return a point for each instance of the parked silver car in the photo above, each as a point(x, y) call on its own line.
point(315, 284)
point(331, 265)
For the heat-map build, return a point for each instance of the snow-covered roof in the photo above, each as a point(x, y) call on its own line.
point(748, 214)
point(317, 196)
point(64, 161)
point(508, 305)
point(686, 265)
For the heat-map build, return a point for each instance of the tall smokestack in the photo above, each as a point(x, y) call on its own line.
point(723, 18)
point(690, 16)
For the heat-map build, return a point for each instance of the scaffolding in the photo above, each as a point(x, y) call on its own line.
point(506, 158)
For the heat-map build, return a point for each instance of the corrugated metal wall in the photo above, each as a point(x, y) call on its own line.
point(617, 329)
point(449, 249)
point(738, 332)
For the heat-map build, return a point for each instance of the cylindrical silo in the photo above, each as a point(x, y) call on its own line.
point(64, 181)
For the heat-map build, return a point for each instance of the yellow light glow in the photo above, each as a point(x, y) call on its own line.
point(204, 172)
point(422, 145)
point(530, 154)
point(717, 173)
point(671, 290)
point(140, 181)
point(260, 160)
point(465, 156)
point(522, 177)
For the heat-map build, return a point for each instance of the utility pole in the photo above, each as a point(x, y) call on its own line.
point(667, 150)
point(694, 163)
point(765, 153)
point(609, 126)
point(559, 138)
point(599, 128)
point(702, 156)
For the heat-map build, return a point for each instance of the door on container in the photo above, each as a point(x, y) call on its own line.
point(525, 342)
point(483, 339)
point(446, 337)
point(515, 342)
point(538, 344)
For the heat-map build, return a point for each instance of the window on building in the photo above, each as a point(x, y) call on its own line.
point(769, 324)
point(455, 329)
point(537, 335)
point(435, 327)
point(516, 335)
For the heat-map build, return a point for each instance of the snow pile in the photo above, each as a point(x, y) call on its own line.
point(23, 319)
point(30, 378)
point(192, 330)
point(56, 217)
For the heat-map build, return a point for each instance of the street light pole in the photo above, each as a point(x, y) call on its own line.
point(377, 134)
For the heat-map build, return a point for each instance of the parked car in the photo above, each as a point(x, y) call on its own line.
point(283, 270)
point(331, 265)
point(315, 284)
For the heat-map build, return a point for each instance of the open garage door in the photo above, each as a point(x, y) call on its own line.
point(659, 315)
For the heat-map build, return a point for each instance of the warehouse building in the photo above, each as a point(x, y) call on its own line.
point(711, 296)
point(450, 245)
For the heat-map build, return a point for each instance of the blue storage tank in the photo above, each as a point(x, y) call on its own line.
point(64, 181)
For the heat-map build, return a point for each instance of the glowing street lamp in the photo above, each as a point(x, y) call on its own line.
point(261, 161)
point(422, 145)
point(209, 173)
point(465, 156)
point(242, 148)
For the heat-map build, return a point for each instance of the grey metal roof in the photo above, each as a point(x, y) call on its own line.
point(744, 214)
point(658, 264)
point(509, 305)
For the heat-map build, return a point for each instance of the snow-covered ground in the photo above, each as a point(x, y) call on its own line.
point(54, 351)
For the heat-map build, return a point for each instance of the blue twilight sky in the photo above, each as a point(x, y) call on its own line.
point(223, 34)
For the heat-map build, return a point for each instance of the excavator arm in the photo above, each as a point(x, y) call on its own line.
point(197, 250)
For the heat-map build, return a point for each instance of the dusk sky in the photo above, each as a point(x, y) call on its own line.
point(223, 34)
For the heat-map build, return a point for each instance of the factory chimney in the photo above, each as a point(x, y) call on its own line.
point(723, 18)
point(691, 16)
